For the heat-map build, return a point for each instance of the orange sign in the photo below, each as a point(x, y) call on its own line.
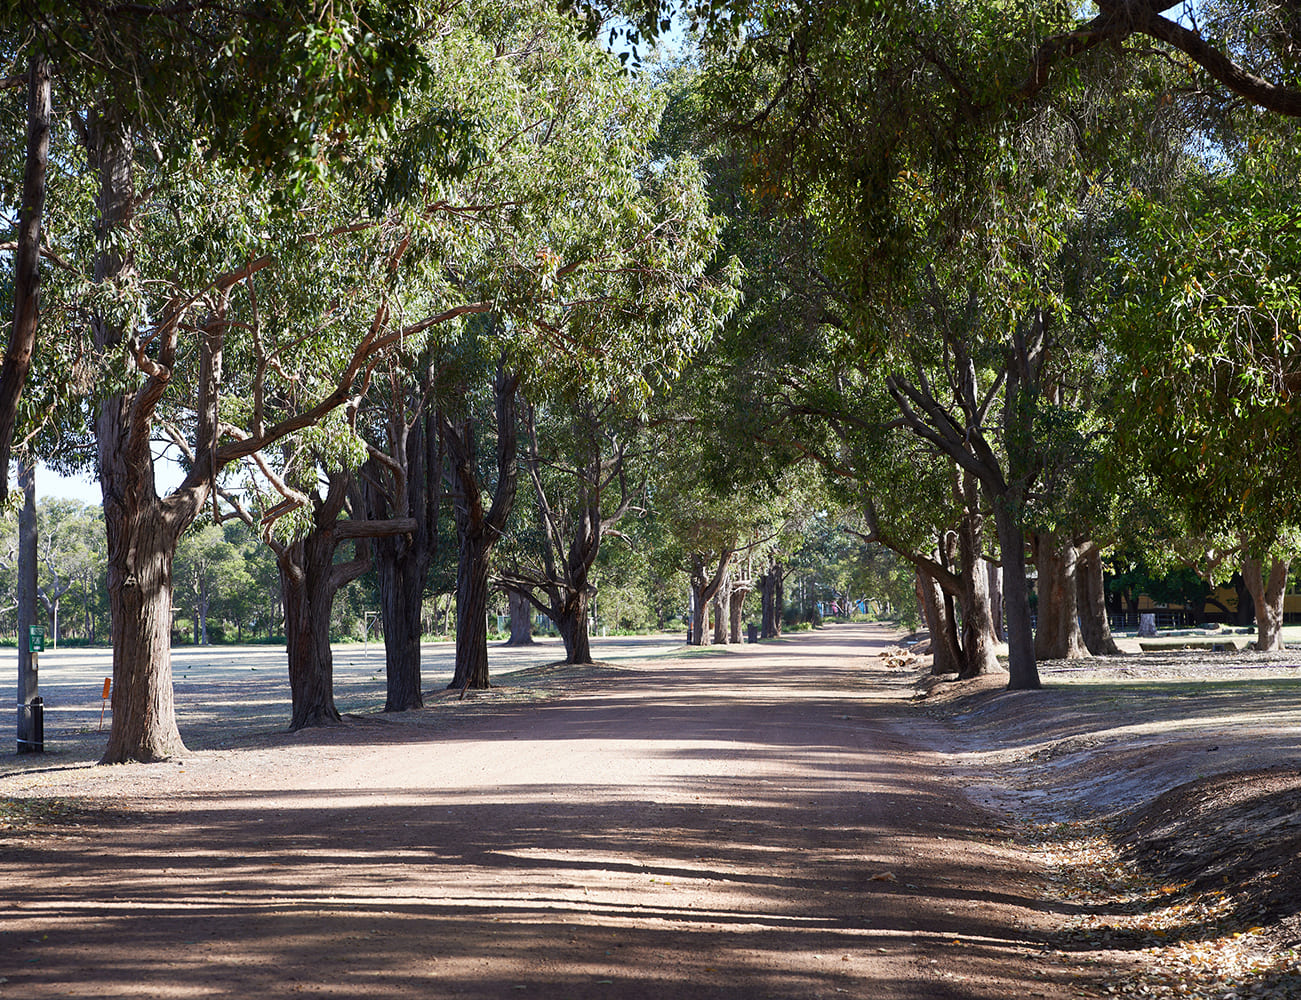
point(108, 682)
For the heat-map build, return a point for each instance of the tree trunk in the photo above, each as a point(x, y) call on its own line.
point(571, 620)
point(735, 607)
point(141, 530)
point(28, 679)
point(141, 547)
point(521, 618)
point(767, 589)
point(1023, 674)
point(1092, 599)
point(978, 654)
point(1246, 603)
point(477, 529)
point(1268, 595)
point(401, 581)
point(995, 572)
point(472, 612)
point(703, 590)
point(305, 571)
point(722, 601)
point(946, 657)
point(772, 602)
point(1058, 636)
point(26, 275)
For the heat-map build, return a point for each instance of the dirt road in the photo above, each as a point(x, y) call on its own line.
point(743, 823)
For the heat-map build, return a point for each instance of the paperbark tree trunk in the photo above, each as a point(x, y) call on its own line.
point(1267, 594)
point(1092, 599)
point(1058, 636)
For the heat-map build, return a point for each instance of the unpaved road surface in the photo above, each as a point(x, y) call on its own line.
point(759, 821)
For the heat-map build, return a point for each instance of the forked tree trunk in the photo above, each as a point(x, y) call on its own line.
point(1268, 595)
point(305, 586)
point(703, 590)
point(1092, 598)
point(521, 618)
point(141, 530)
point(571, 620)
point(946, 657)
point(772, 602)
point(735, 606)
point(1058, 636)
point(478, 529)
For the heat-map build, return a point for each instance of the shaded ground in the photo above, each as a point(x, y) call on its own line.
point(1167, 791)
point(761, 821)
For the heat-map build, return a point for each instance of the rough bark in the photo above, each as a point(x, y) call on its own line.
point(1058, 636)
point(26, 275)
point(478, 528)
point(572, 624)
point(521, 618)
point(1267, 594)
point(308, 598)
point(946, 657)
point(1091, 597)
point(735, 608)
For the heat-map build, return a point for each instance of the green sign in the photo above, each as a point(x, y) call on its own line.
point(35, 639)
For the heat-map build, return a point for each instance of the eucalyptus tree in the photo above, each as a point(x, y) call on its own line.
point(241, 79)
point(588, 467)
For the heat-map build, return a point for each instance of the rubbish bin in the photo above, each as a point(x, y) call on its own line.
point(31, 727)
point(751, 632)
